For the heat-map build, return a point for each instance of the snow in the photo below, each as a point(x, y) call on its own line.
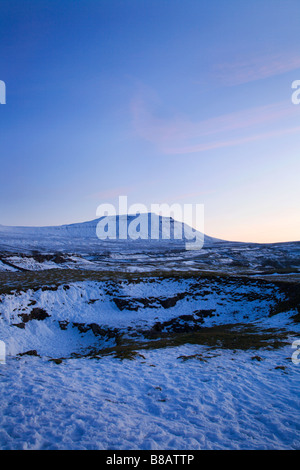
point(5, 267)
point(30, 263)
point(220, 399)
point(82, 237)
point(64, 294)
point(90, 302)
point(158, 401)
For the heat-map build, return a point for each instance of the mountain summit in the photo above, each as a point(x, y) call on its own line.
point(144, 232)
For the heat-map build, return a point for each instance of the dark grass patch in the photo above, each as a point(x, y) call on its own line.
point(256, 358)
point(128, 354)
point(291, 301)
point(199, 357)
point(231, 337)
point(51, 279)
point(296, 317)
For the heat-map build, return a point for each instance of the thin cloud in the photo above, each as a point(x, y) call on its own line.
point(108, 194)
point(179, 134)
point(191, 195)
point(256, 68)
point(232, 143)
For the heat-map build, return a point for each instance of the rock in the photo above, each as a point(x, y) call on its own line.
point(172, 301)
point(35, 314)
point(32, 352)
point(56, 361)
point(63, 324)
point(19, 325)
point(125, 304)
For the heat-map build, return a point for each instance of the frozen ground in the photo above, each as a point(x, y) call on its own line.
point(217, 400)
point(136, 346)
point(150, 363)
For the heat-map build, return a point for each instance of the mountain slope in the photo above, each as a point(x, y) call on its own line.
point(82, 237)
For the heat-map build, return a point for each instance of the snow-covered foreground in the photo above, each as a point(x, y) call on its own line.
point(217, 400)
point(175, 362)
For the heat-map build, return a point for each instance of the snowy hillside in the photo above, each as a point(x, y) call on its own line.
point(82, 237)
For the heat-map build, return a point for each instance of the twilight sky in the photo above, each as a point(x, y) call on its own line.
point(165, 101)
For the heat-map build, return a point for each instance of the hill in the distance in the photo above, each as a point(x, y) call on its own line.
point(82, 237)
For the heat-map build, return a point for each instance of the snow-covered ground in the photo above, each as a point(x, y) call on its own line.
point(261, 261)
point(6, 268)
point(131, 308)
point(219, 400)
point(189, 396)
point(123, 345)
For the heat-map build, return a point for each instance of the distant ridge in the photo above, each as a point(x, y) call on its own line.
point(82, 237)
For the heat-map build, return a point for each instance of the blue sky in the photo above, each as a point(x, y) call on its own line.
point(164, 101)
